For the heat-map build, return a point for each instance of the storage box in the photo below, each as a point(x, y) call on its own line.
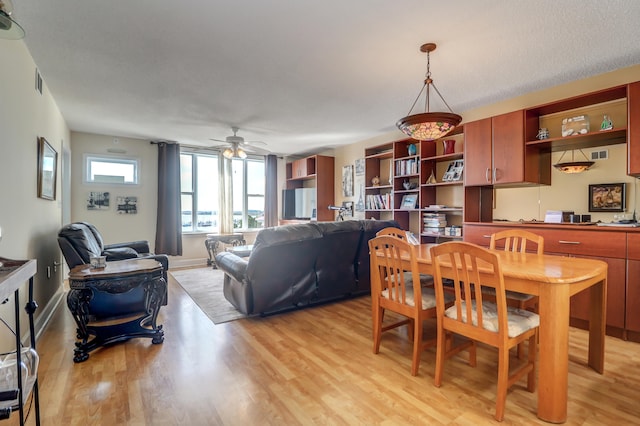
point(578, 125)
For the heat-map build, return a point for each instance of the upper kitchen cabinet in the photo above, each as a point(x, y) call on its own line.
point(495, 153)
point(633, 129)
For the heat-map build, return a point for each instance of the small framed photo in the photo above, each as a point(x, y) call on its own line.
point(454, 171)
point(409, 201)
point(607, 197)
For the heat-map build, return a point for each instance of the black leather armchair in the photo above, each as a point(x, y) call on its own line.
point(81, 240)
point(117, 306)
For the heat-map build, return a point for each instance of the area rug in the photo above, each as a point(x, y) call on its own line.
point(204, 285)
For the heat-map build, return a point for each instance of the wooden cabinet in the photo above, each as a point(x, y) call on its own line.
point(633, 129)
point(495, 151)
point(478, 146)
point(316, 171)
point(632, 312)
point(608, 246)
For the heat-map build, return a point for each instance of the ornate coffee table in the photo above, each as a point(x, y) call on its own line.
point(118, 277)
point(213, 242)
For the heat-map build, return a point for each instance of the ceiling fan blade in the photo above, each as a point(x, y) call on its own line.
point(217, 140)
point(255, 143)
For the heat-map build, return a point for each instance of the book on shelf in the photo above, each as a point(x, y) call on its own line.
point(379, 202)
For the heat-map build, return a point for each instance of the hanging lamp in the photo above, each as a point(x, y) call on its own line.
point(428, 125)
point(572, 166)
point(9, 29)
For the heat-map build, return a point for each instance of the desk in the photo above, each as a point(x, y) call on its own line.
point(213, 241)
point(554, 279)
point(118, 277)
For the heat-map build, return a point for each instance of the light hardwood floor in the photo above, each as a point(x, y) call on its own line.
point(313, 366)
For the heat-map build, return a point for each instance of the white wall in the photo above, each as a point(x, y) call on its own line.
point(114, 227)
point(29, 224)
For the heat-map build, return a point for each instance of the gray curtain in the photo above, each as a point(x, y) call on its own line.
point(271, 191)
point(168, 222)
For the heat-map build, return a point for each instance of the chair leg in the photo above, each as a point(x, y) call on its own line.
point(441, 347)
point(503, 382)
point(533, 352)
point(417, 345)
point(378, 314)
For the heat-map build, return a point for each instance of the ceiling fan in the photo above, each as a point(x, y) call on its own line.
point(237, 147)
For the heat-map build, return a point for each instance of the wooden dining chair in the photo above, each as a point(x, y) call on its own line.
point(426, 280)
point(496, 324)
point(518, 240)
point(391, 260)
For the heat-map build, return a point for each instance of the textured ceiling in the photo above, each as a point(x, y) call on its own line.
point(300, 75)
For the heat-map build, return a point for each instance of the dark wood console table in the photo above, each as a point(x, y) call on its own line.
point(213, 242)
point(118, 277)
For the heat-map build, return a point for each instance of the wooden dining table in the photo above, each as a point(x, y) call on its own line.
point(554, 279)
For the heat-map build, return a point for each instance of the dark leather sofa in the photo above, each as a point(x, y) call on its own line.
point(293, 266)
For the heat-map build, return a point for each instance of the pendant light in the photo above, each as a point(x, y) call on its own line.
point(9, 29)
point(428, 125)
point(572, 166)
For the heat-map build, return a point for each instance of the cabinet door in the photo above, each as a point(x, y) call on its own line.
point(615, 295)
point(477, 153)
point(633, 129)
point(508, 147)
point(300, 168)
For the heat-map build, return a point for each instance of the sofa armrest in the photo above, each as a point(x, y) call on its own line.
point(232, 265)
point(141, 247)
point(120, 253)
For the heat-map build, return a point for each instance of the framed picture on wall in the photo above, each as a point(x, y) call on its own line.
point(347, 181)
point(47, 169)
point(607, 197)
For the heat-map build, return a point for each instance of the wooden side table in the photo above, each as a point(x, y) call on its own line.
point(213, 242)
point(118, 277)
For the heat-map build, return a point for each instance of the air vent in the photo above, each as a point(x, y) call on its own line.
point(38, 82)
point(600, 155)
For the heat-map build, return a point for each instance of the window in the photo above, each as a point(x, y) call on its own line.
point(200, 186)
point(248, 193)
point(110, 170)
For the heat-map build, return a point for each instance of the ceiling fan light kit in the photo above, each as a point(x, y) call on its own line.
point(237, 147)
point(428, 126)
point(9, 29)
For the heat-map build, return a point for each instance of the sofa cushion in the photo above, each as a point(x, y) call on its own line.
point(335, 265)
point(281, 269)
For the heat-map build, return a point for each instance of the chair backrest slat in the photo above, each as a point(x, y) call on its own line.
point(516, 240)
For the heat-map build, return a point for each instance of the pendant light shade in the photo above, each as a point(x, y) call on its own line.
point(572, 166)
point(428, 126)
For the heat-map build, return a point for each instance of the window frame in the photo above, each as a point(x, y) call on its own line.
point(193, 229)
point(89, 158)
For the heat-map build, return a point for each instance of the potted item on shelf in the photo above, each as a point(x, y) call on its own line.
point(449, 146)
